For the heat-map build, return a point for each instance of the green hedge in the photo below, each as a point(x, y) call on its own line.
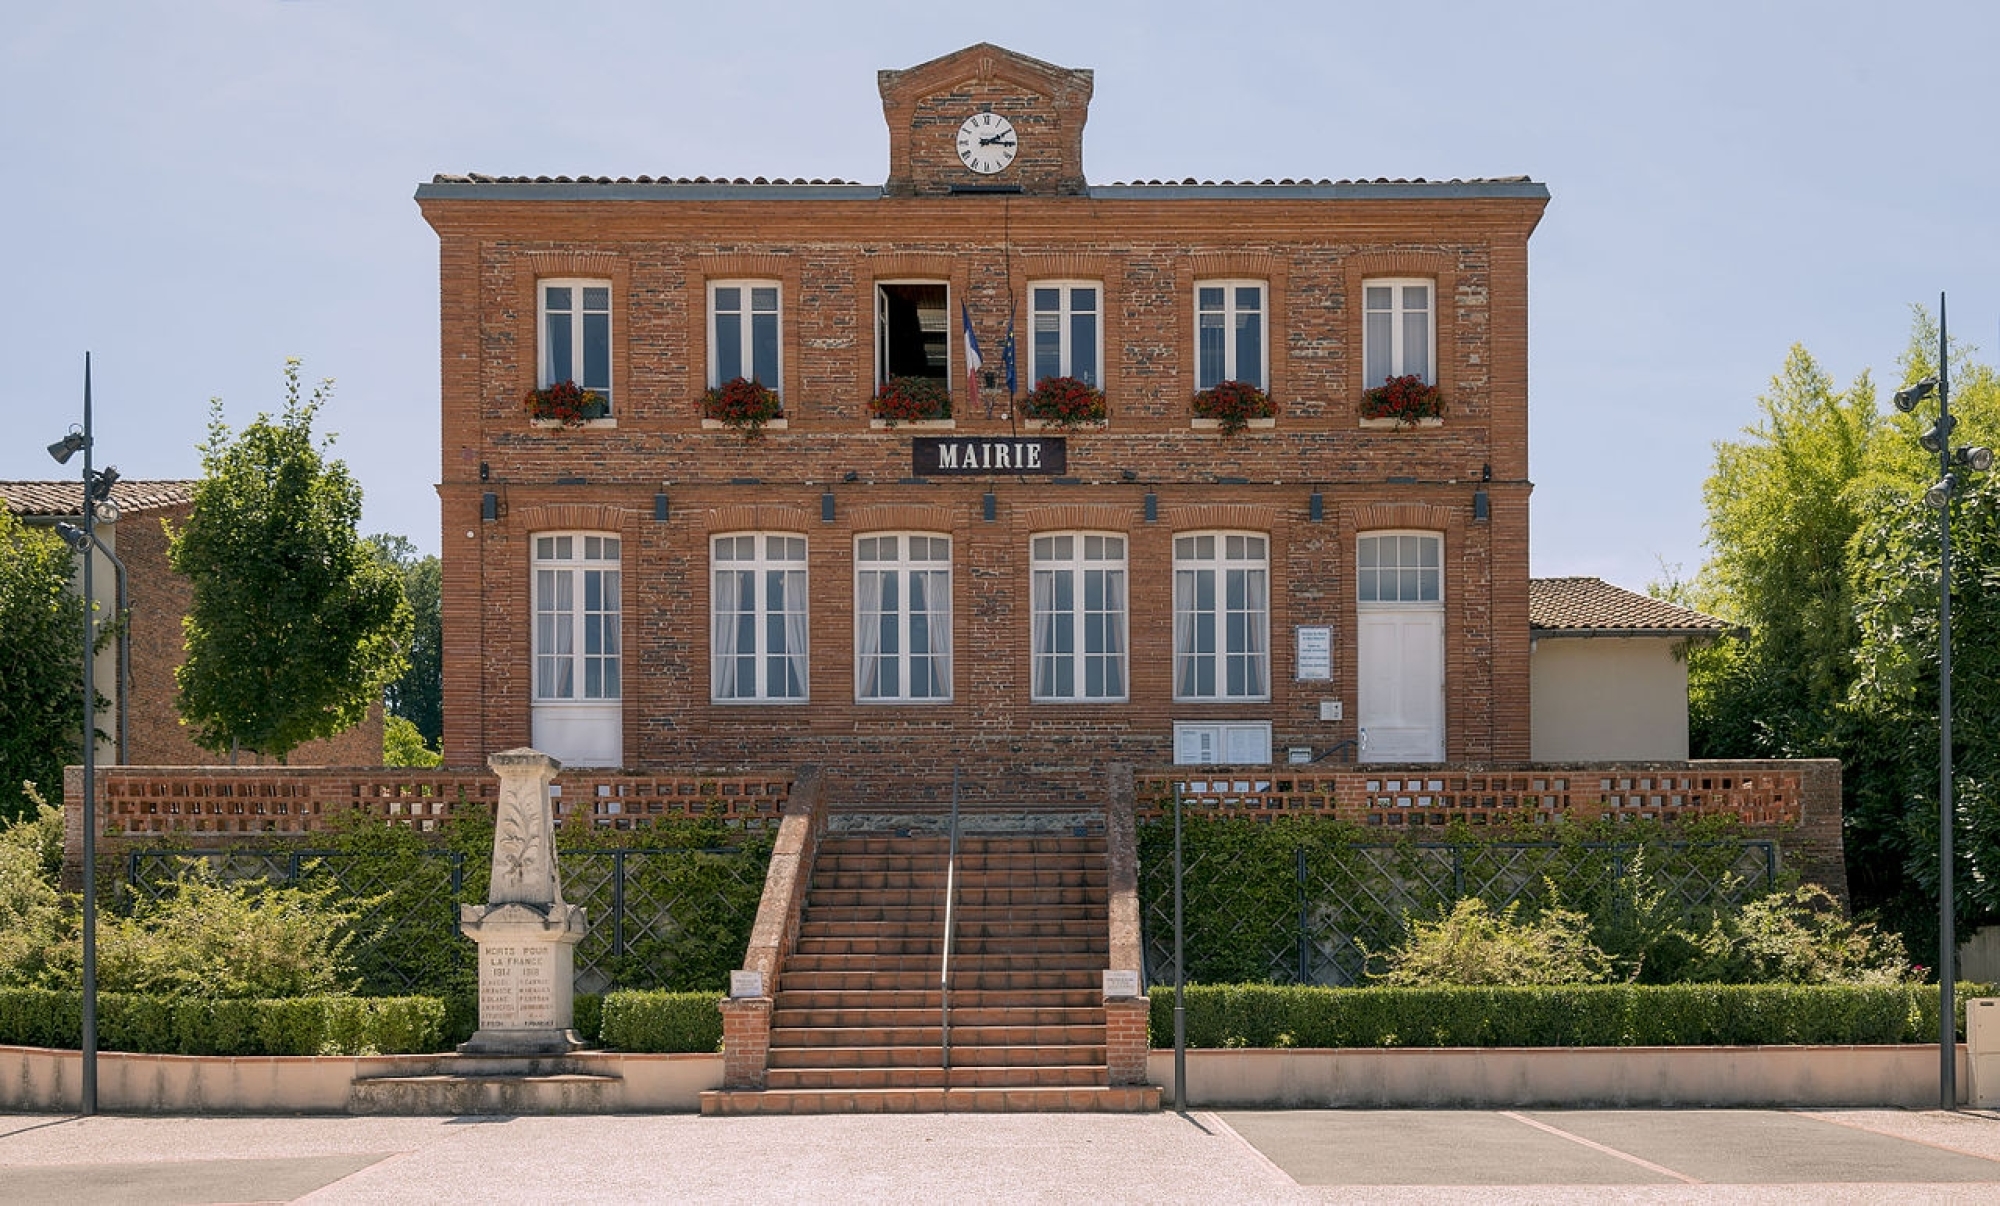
point(1584, 1015)
point(662, 1021)
point(36, 1017)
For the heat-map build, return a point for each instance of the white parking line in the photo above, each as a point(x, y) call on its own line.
point(1613, 1152)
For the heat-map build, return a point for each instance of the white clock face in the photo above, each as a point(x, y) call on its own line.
point(986, 143)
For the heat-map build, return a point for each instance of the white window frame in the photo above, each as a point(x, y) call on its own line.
point(1403, 348)
point(877, 627)
point(951, 331)
point(1065, 577)
point(1227, 642)
point(1065, 316)
point(776, 616)
point(746, 338)
point(569, 567)
point(574, 322)
point(1414, 584)
point(1230, 317)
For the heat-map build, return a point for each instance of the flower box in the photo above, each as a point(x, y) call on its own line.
point(1232, 406)
point(1200, 424)
point(744, 405)
point(1404, 402)
point(1064, 403)
point(566, 404)
point(911, 400)
point(1399, 424)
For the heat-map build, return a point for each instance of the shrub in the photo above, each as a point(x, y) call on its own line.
point(911, 400)
point(1474, 945)
point(214, 940)
point(40, 1017)
point(662, 1021)
point(1578, 1015)
point(33, 919)
point(1803, 937)
point(1232, 404)
point(742, 404)
point(1064, 402)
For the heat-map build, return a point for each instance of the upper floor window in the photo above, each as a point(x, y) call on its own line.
point(1222, 616)
point(757, 617)
point(576, 616)
point(1400, 567)
point(1229, 333)
point(902, 618)
point(1068, 332)
point(576, 334)
point(1397, 339)
point(743, 329)
point(1079, 616)
point(912, 330)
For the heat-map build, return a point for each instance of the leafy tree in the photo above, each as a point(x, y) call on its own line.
point(41, 662)
point(297, 625)
point(1782, 509)
point(402, 745)
point(418, 695)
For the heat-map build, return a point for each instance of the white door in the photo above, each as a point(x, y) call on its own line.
point(1400, 648)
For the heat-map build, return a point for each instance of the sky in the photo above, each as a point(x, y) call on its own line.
point(199, 190)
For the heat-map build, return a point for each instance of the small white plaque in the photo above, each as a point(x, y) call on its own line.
point(746, 983)
point(1120, 982)
point(1329, 709)
point(1315, 661)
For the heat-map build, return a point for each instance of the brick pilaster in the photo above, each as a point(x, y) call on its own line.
point(1126, 1044)
point(746, 1041)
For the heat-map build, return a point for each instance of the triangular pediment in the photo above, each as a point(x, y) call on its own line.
point(983, 62)
point(1043, 106)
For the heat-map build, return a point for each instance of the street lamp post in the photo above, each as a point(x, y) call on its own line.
point(96, 490)
point(1939, 497)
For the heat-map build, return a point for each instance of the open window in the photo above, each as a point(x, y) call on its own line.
point(912, 330)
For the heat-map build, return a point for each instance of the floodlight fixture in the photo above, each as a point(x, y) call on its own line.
point(1908, 397)
point(1938, 497)
point(66, 447)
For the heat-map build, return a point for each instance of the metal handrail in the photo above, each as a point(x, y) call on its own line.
point(950, 919)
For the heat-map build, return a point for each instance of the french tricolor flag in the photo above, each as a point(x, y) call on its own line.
point(972, 358)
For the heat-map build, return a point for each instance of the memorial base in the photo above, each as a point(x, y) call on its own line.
point(527, 967)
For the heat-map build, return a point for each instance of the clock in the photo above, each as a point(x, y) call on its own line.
point(986, 143)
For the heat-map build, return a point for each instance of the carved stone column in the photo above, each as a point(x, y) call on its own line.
point(527, 936)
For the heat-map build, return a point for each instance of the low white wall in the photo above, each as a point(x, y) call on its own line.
point(36, 1080)
point(1497, 1077)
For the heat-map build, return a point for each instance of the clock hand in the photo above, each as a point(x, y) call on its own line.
point(996, 140)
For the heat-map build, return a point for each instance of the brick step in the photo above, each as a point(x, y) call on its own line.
point(968, 928)
point(926, 999)
point(932, 1056)
point(836, 1017)
point(932, 879)
point(957, 1076)
point(969, 845)
point(1079, 956)
point(967, 912)
point(975, 1037)
point(1120, 1099)
point(990, 897)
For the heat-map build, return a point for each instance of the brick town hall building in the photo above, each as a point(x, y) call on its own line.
point(1022, 602)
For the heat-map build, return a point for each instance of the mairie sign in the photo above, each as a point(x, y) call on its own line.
point(977, 456)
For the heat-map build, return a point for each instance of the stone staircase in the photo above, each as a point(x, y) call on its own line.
point(856, 1024)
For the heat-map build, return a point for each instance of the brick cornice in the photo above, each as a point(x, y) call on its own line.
point(1218, 516)
point(575, 517)
point(755, 517)
point(1075, 517)
point(915, 517)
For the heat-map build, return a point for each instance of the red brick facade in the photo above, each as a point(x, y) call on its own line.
point(1312, 484)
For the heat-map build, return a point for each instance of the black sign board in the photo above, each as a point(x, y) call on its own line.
point(982, 456)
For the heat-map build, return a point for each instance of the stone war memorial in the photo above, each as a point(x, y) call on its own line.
point(527, 936)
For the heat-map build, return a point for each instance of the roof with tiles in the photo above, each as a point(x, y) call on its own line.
point(1594, 607)
point(484, 178)
point(65, 498)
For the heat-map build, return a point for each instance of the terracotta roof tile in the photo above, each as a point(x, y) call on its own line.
point(1592, 605)
point(64, 498)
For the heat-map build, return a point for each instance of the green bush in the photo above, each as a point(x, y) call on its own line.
point(40, 1017)
point(662, 1021)
point(33, 919)
point(1473, 944)
point(1577, 1015)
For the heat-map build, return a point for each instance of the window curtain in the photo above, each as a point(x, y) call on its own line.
point(1114, 632)
point(555, 626)
point(1185, 678)
point(1045, 632)
point(795, 630)
point(875, 592)
point(1257, 606)
point(930, 633)
point(724, 609)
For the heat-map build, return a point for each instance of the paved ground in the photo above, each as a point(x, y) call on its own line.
point(1823, 1157)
